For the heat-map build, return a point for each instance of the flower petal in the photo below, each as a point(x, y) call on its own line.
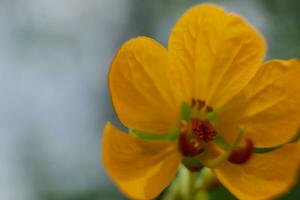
point(264, 176)
point(219, 52)
point(141, 169)
point(268, 107)
point(140, 86)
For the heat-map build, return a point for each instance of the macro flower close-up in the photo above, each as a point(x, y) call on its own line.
point(206, 109)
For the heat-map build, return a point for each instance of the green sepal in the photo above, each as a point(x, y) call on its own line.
point(270, 149)
point(192, 163)
point(169, 136)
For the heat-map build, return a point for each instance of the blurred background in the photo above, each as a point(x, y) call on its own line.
point(54, 59)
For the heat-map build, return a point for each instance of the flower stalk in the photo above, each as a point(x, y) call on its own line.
point(190, 185)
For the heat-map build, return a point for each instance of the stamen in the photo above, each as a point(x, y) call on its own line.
point(201, 104)
point(196, 129)
point(188, 147)
point(193, 102)
point(242, 155)
point(208, 109)
point(203, 130)
point(212, 163)
point(197, 102)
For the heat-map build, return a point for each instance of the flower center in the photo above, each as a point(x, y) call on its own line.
point(195, 131)
point(203, 130)
point(193, 135)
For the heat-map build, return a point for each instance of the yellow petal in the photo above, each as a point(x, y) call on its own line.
point(141, 169)
point(264, 176)
point(140, 86)
point(219, 52)
point(269, 107)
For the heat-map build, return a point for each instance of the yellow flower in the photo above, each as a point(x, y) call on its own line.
point(212, 70)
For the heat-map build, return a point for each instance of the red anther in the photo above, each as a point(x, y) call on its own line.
point(242, 155)
point(203, 130)
point(201, 104)
point(208, 109)
point(187, 146)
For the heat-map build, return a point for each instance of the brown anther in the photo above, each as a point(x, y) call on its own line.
point(193, 102)
point(242, 155)
point(208, 109)
point(201, 104)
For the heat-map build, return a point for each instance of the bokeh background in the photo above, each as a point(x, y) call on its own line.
point(54, 59)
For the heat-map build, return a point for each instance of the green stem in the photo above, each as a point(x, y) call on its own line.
point(201, 195)
point(192, 178)
point(207, 180)
point(183, 179)
point(173, 191)
point(191, 185)
point(187, 183)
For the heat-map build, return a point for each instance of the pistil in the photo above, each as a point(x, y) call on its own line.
point(192, 134)
point(188, 146)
